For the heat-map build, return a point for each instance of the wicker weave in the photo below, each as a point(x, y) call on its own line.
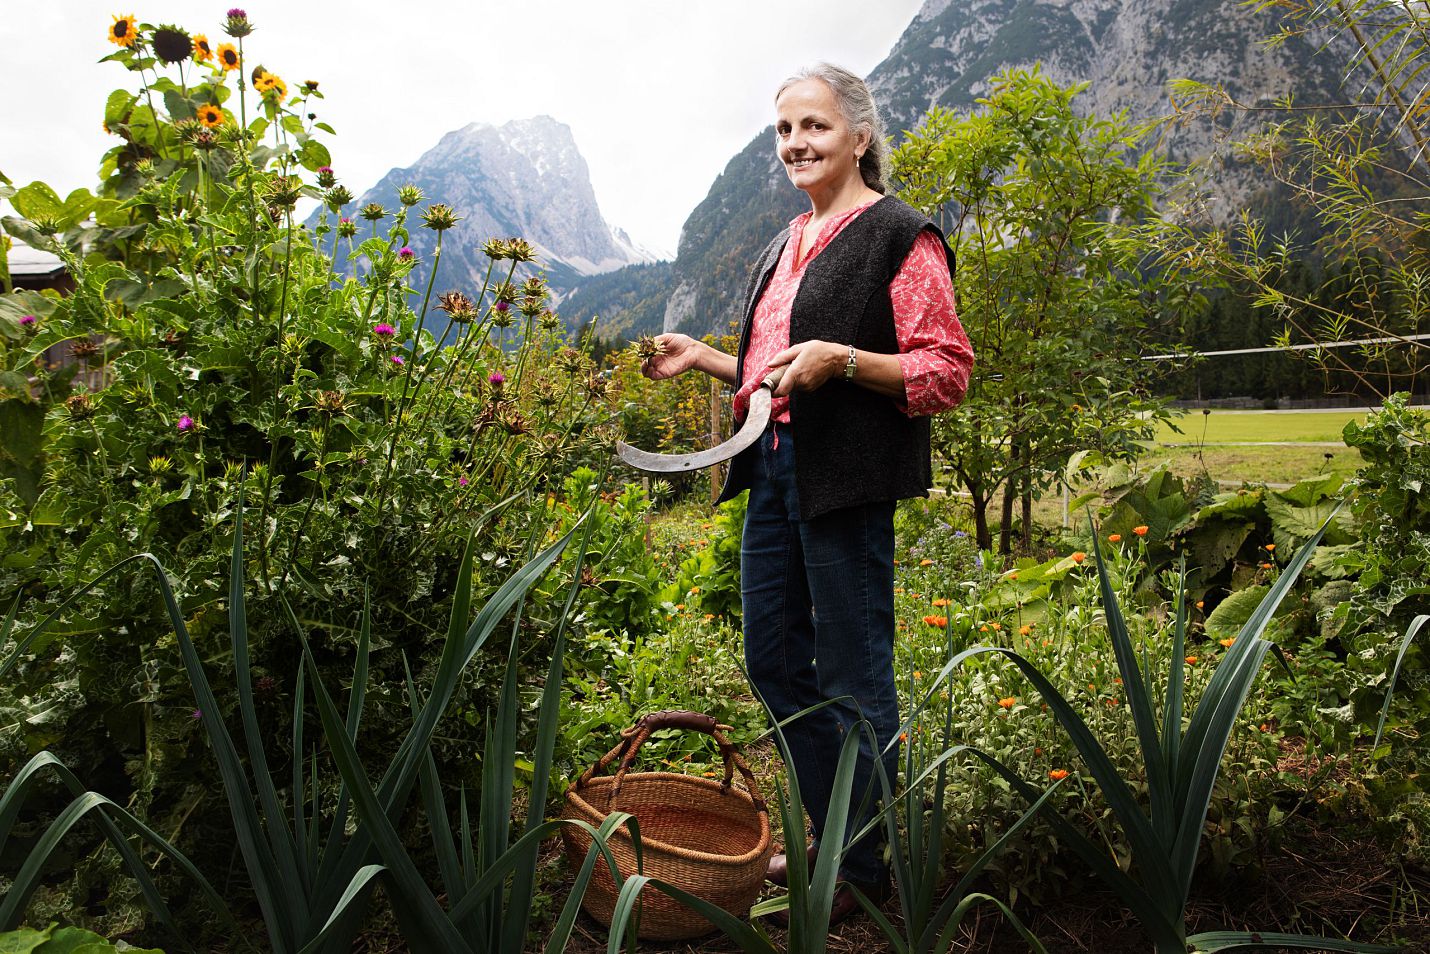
point(706, 837)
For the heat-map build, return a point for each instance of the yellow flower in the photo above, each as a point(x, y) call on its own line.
point(1057, 775)
point(123, 31)
point(210, 115)
point(1008, 702)
point(1141, 531)
point(1079, 556)
point(203, 52)
point(270, 85)
point(228, 56)
point(1228, 641)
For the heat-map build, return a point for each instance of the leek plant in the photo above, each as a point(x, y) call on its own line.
point(1181, 759)
point(312, 885)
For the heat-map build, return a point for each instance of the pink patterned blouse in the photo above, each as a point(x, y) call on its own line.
point(934, 352)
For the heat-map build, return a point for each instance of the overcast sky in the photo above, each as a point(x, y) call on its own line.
point(659, 94)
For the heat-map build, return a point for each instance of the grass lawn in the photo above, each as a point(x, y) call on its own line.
point(1258, 426)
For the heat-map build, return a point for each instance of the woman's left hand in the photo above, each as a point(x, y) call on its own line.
point(809, 365)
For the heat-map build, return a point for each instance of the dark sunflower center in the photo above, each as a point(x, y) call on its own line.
point(121, 28)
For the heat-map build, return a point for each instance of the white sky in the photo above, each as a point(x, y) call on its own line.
point(659, 94)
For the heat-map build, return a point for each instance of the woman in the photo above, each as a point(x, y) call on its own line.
point(855, 302)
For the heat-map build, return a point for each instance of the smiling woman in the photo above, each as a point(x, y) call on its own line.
point(854, 302)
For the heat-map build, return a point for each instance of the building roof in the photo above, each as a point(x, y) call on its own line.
point(24, 260)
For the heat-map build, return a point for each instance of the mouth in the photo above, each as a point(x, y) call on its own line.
point(798, 164)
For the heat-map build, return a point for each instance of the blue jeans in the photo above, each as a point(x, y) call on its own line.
point(818, 601)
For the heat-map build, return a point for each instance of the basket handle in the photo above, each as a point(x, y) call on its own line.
point(635, 736)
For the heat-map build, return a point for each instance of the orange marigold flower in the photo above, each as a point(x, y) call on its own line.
point(903, 737)
point(1263, 727)
point(937, 621)
point(1057, 775)
point(1091, 687)
point(1112, 701)
point(1079, 556)
point(1037, 750)
point(898, 591)
point(918, 674)
point(1266, 566)
point(983, 629)
point(1141, 530)
point(680, 606)
point(940, 602)
point(1024, 630)
point(1228, 641)
point(925, 563)
point(996, 626)
point(1201, 603)
point(1270, 548)
point(1012, 574)
point(1191, 660)
point(709, 617)
point(1117, 679)
point(1008, 703)
point(1114, 538)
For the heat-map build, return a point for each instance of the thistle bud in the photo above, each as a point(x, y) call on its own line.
point(80, 406)
point(409, 195)
point(373, 212)
point(347, 228)
point(439, 217)
point(331, 403)
point(337, 197)
point(326, 178)
point(494, 249)
point(236, 23)
point(520, 250)
point(550, 321)
point(647, 347)
point(284, 191)
point(457, 306)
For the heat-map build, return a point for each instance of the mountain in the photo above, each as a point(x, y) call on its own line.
point(629, 301)
point(524, 178)
point(1127, 50)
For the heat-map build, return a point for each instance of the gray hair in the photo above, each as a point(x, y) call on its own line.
point(856, 105)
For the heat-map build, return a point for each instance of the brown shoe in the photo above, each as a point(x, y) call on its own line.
point(845, 903)
point(778, 872)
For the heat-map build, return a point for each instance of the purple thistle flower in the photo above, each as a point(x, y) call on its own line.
point(397, 360)
point(197, 714)
point(384, 330)
point(406, 254)
point(496, 379)
point(344, 220)
point(462, 481)
point(325, 168)
point(185, 424)
point(27, 320)
point(501, 306)
point(237, 13)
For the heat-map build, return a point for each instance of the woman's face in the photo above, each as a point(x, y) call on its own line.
point(819, 150)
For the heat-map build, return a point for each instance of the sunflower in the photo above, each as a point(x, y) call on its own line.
point(172, 45)
point(210, 115)
point(228, 56)
point(267, 83)
point(203, 52)
point(122, 32)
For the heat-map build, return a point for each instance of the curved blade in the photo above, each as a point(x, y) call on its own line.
point(749, 432)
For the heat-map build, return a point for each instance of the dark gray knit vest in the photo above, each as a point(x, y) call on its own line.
point(852, 446)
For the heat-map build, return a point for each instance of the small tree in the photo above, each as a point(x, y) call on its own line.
point(1047, 212)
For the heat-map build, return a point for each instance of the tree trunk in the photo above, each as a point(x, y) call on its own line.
point(981, 533)
point(1027, 510)
point(1005, 532)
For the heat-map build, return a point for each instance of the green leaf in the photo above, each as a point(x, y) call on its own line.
point(1231, 614)
point(37, 201)
point(24, 940)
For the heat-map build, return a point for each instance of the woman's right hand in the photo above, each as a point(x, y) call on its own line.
point(680, 354)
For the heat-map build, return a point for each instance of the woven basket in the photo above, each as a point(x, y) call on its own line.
point(706, 837)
